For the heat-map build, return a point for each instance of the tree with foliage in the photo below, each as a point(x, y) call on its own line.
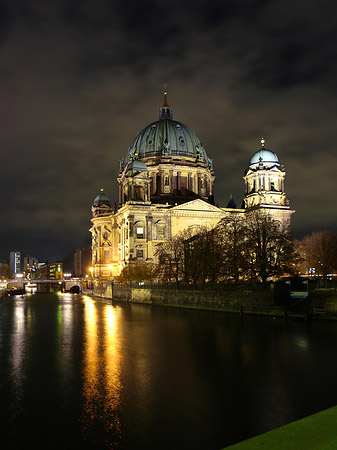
point(269, 249)
point(137, 272)
point(319, 251)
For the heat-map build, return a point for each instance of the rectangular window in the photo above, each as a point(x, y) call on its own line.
point(140, 253)
point(106, 256)
point(140, 232)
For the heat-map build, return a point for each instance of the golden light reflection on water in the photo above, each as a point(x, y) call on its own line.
point(91, 359)
point(112, 354)
point(102, 358)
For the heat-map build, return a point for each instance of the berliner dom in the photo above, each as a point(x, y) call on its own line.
point(166, 186)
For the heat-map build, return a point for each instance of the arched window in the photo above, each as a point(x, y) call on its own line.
point(139, 193)
point(161, 231)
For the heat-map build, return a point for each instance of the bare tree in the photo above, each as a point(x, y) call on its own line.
point(193, 267)
point(170, 255)
point(183, 257)
point(269, 249)
point(231, 233)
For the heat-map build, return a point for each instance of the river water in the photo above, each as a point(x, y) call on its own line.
point(80, 373)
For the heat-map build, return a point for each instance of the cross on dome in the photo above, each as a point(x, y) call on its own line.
point(165, 112)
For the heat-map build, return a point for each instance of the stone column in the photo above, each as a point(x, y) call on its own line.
point(154, 183)
point(130, 222)
point(149, 228)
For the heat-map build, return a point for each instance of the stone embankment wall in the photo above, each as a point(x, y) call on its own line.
point(322, 303)
point(249, 301)
point(324, 300)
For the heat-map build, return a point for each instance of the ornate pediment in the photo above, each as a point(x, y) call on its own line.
point(197, 205)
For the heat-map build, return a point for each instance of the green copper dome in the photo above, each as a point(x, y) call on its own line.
point(102, 199)
point(166, 137)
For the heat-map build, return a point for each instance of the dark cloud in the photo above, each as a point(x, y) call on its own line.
point(78, 80)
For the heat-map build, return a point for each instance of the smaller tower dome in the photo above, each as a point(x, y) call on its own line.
point(101, 205)
point(264, 156)
point(136, 166)
point(102, 199)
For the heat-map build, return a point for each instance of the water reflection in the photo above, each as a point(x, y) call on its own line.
point(112, 363)
point(65, 336)
point(78, 373)
point(21, 322)
point(102, 373)
point(91, 391)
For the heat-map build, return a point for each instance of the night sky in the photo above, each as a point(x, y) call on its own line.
point(79, 79)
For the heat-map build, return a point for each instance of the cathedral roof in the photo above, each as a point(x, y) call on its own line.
point(264, 156)
point(167, 137)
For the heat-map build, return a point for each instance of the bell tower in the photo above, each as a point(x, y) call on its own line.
point(264, 181)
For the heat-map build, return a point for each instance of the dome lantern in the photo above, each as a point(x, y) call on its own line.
point(165, 112)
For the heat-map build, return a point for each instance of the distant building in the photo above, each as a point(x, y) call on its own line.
point(30, 264)
point(15, 262)
point(77, 264)
point(165, 186)
point(50, 271)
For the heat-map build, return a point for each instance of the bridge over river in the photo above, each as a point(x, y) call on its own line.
point(73, 285)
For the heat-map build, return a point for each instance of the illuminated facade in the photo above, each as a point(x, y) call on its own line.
point(165, 186)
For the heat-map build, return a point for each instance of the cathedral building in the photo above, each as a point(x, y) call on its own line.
point(166, 186)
